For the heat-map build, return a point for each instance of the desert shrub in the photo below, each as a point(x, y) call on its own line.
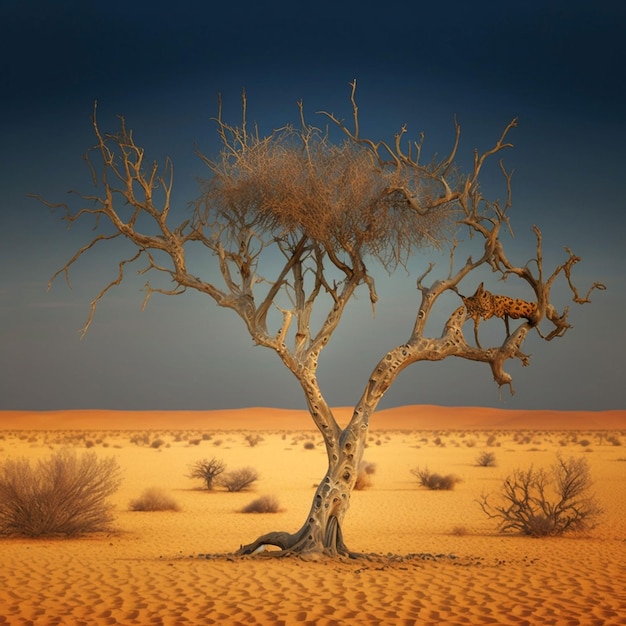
point(239, 479)
point(157, 443)
point(309, 445)
point(614, 440)
point(539, 502)
point(584, 443)
point(486, 459)
point(364, 475)
point(154, 499)
point(435, 481)
point(253, 440)
point(65, 494)
point(140, 439)
point(459, 531)
point(492, 440)
point(207, 470)
point(263, 504)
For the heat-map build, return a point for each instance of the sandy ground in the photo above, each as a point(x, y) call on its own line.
point(438, 559)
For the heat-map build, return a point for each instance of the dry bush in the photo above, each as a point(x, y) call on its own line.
point(207, 470)
point(434, 481)
point(65, 494)
point(263, 504)
point(336, 194)
point(486, 459)
point(253, 440)
point(141, 439)
point(364, 475)
point(545, 502)
point(492, 440)
point(239, 479)
point(309, 445)
point(154, 499)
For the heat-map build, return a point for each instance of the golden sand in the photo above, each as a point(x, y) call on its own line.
point(438, 559)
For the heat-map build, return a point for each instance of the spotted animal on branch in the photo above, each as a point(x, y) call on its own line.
point(483, 304)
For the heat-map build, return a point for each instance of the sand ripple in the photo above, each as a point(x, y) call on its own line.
point(66, 588)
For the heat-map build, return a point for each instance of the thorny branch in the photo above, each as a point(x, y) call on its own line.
point(327, 208)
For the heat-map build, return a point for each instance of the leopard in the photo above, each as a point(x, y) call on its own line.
point(483, 304)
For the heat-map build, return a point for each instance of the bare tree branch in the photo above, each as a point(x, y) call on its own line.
point(292, 223)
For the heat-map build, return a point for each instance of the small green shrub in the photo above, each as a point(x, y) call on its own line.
point(154, 499)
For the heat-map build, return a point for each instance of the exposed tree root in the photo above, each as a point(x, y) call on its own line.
point(303, 543)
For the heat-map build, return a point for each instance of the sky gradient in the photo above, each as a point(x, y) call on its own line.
point(558, 68)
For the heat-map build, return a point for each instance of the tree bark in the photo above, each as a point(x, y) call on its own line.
point(322, 531)
point(325, 239)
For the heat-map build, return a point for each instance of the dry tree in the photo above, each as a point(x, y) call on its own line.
point(294, 221)
point(540, 502)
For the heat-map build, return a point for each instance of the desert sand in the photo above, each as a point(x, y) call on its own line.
point(436, 558)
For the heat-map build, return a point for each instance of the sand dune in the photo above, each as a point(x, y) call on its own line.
point(436, 558)
point(413, 417)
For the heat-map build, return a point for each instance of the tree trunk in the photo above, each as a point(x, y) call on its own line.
point(322, 531)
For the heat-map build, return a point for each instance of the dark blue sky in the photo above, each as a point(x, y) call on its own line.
point(558, 66)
